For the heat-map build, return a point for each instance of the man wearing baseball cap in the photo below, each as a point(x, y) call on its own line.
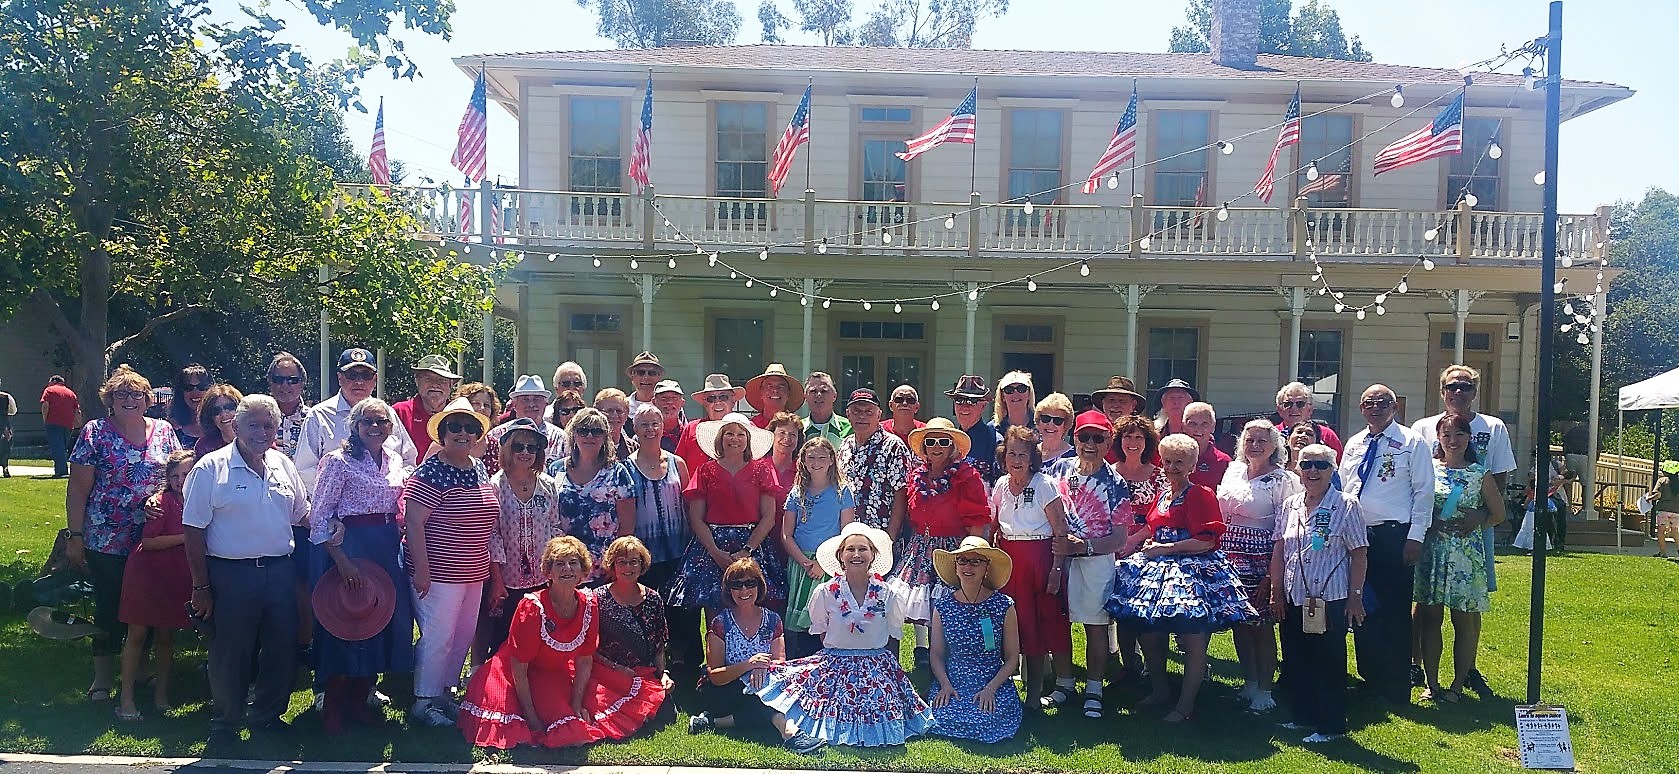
point(434, 383)
point(328, 423)
point(877, 463)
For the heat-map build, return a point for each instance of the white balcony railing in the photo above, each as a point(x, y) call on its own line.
point(659, 222)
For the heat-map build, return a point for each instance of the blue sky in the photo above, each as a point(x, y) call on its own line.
point(1612, 154)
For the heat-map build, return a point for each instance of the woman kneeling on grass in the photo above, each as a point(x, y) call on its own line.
point(542, 687)
point(156, 586)
point(976, 643)
point(854, 692)
point(744, 639)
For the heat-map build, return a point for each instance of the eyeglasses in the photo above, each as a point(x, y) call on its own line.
point(197, 386)
point(646, 372)
point(905, 400)
point(592, 432)
point(223, 408)
point(964, 401)
point(1376, 403)
point(1296, 403)
point(285, 380)
point(373, 422)
point(720, 398)
point(470, 428)
point(1016, 389)
point(1093, 438)
point(1459, 387)
point(741, 585)
point(127, 394)
point(970, 561)
point(525, 448)
point(357, 375)
point(1052, 419)
point(1316, 464)
point(567, 410)
point(571, 384)
point(939, 442)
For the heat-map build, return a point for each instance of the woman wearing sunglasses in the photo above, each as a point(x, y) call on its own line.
point(741, 643)
point(948, 501)
point(1053, 417)
point(192, 382)
point(597, 496)
point(215, 418)
point(1012, 405)
point(450, 511)
point(1317, 587)
point(530, 517)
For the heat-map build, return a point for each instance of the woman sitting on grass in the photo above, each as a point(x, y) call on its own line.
point(976, 643)
point(744, 639)
point(156, 586)
point(633, 629)
point(854, 692)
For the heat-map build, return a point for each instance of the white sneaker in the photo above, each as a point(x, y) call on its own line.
point(1321, 738)
point(320, 701)
point(427, 713)
point(1293, 726)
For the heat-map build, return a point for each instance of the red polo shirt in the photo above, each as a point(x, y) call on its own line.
point(61, 405)
point(414, 417)
point(1209, 468)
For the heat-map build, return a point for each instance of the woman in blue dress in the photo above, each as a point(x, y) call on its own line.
point(976, 643)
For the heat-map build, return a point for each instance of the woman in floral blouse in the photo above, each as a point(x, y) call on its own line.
point(597, 497)
point(530, 517)
point(633, 629)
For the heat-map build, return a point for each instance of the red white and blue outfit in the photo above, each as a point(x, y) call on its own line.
point(1186, 594)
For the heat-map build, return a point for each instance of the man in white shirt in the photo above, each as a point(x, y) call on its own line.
point(328, 423)
point(241, 503)
point(1491, 440)
point(1390, 470)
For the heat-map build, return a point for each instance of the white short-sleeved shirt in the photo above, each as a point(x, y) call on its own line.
point(1024, 516)
point(1255, 502)
point(865, 625)
point(244, 514)
point(1489, 434)
point(1400, 485)
point(325, 427)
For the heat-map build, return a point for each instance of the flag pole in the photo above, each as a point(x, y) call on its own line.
point(809, 148)
point(973, 149)
point(1133, 157)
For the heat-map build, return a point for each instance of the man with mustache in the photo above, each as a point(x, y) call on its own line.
point(434, 383)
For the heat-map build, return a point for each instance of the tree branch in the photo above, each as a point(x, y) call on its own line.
point(151, 325)
point(53, 312)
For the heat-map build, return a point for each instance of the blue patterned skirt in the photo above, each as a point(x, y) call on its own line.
point(392, 649)
point(700, 584)
point(851, 697)
point(1196, 594)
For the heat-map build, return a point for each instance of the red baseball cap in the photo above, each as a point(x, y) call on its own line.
point(1093, 418)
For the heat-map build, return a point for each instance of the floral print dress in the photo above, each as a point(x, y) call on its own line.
point(1453, 569)
point(124, 475)
point(590, 512)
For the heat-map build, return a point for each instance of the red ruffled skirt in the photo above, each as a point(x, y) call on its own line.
point(618, 705)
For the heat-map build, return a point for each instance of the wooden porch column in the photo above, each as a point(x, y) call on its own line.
point(1590, 483)
point(1461, 309)
point(648, 291)
point(1133, 302)
point(968, 343)
point(810, 303)
point(1296, 310)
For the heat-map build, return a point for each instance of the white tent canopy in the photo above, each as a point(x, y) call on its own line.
point(1656, 392)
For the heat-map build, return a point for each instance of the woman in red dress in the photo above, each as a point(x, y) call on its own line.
point(541, 688)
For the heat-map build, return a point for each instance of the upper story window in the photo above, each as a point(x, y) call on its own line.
point(883, 177)
point(1474, 169)
point(595, 160)
point(898, 115)
point(742, 149)
point(1327, 140)
point(1184, 161)
point(1034, 160)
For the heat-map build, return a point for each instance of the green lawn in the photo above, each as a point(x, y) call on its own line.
point(1610, 659)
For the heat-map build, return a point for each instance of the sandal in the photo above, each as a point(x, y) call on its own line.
point(1092, 706)
point(129, 717)
point(1178, 716)
point(99, 694)
point(1057, 698)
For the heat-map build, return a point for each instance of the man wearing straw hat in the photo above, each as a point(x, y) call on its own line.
point(433, 383)
point(718, 397)
point(773, 392)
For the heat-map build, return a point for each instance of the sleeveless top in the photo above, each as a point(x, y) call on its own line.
point(737, 645)
point(661, 517)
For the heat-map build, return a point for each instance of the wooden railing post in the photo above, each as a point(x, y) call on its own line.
point(1600, 232)
point(810, 221)
point(1464, 232)
point(648, 216)
point(1302, 235)
point(973, 224)
point(1139, 226)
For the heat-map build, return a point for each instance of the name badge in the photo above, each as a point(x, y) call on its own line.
point(988, 633)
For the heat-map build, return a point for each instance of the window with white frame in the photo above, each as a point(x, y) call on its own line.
point(595, 156)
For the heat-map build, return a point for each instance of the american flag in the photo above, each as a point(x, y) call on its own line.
point(1200, 201)
point(1330, 181)
point(1122, 148)
point(377, 162)
point(469, 137)
point(798, 133)
point(959, 126)
point(641, 156)
point(1444, 137)
point(1289, 135)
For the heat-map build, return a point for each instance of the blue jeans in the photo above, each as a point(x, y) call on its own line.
point(58, 447)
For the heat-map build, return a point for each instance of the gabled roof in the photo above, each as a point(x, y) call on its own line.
point(993, 62)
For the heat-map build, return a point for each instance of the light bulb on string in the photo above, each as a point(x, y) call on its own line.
point(1381, 310)
point(1381, 298)
point(973, 295)
point(1431, 234)
point(1583, 339)
point(551, 257)
point(1144, 242)
point(1566, 327)
point(635, 264)
point(699, 250)
point(667, 222)
point(1470, 199)
point(1404, 287)
point(897, 308)
point(597, 263)
point(466, 248)
point(1224, 211)
point(822, 247)
point(826, 303)
point(1428, 264)
point(1322, 291)
point(1539, 177)
point(1495, 151)
point(1361, 314)
point(1113, 181)
point(1225, 147)
point(1557, 288)
point(949, 222)
point(867, 306)
point(1031, 284)
point(1567, 308)
point(1398, 98)
point(1528, 81)
point(1339, 295)
point(886, 237)
point(1027, 207)
point(733, 275)
point(763, 255)
point(1312, 171)
point(711, 260)
point(671, 263)
point(773, 291)
point(749, 282)
point(804, 300)
point(1084, 269)
point(1339, 307)
point(1567, 261)
point(935, 305)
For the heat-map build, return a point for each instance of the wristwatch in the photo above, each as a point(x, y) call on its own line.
point(1357, 592)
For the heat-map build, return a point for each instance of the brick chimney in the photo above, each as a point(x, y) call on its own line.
point(1235, 35)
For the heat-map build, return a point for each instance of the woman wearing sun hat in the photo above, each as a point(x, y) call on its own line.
point(731, 509)
point(948, 501)
point(450, 509)
point(976, 643)
point(773, 392)
point(1664, 502)
point(853, 692)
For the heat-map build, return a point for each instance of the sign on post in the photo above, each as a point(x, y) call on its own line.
point(1542, 737)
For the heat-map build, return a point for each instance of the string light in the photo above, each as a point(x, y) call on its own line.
point(897, 308)
point(826, 303)
point(749, 282)
point(1381, 310)
point(1226, 147)
point(1027, 207)
point(1113, 181)
point(1398, 98)
point(711, 260)
point(1031, 285)
point(1470, 199)
point(804, 300)
point(1431, 234)
point(1312, 171)
point(1539, 177)
point(867, 306)
point(1339, 307)
point(886, 237)
point(773, 291)
point(1428, 264)
point(671, 263)
point(635, 264)
point(973, 295)
point(822, 247)
point(1144, 243)
point(1223, 212)
point(551, 257)
point(733, 275)
point(1084, 268)
point(1495, 151)
point(597, 263)
point(763, 255)
point(1361, 314)
point(949, 222)
point(935, 305)
point(1404, 287)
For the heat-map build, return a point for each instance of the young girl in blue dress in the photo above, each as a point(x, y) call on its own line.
point(854, 692)
point(976, 643)
point(819, 505)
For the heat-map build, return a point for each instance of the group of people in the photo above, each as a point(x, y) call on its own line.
point(568, 547)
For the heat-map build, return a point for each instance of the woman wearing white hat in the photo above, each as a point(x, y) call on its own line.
point(948, 501)
point(731, 508)
point(1013, 403)
point(854, 692)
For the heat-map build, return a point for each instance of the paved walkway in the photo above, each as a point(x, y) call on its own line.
point(15, 763)
point(26, 471)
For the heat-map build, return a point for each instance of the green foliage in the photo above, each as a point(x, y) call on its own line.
point(892, 23)
point(1315, 31)
point(654, 23)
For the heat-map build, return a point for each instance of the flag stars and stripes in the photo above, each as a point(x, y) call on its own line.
point(1288, 135)
point(798, 133)
point(378, 162)
point(1121, 149)
point(641, 154)
point(958, 127)
point(1442, 137)
point(469, 156)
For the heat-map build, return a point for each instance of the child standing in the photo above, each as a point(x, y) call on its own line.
point(156, 587)
point(819, 505)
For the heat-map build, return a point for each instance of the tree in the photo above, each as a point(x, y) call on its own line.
point(1314, 32)
point(893, 23)
point(654, 23)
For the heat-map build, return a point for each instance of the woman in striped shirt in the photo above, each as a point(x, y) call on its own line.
point(451, 510)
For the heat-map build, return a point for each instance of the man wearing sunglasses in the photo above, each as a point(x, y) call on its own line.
point(877, 464)
point(434, 384)
point(287, 381)
point(328, 423)
point(968, 400)
point(645, 373)
point(905, 403)
point(62, 412)
point(719, 396)
point(1491, 438)
point(821, 396)
point(529, 399)
point(1390, 469)
point(1294, 405)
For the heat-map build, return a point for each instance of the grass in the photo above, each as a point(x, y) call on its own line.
point(1610, 658)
